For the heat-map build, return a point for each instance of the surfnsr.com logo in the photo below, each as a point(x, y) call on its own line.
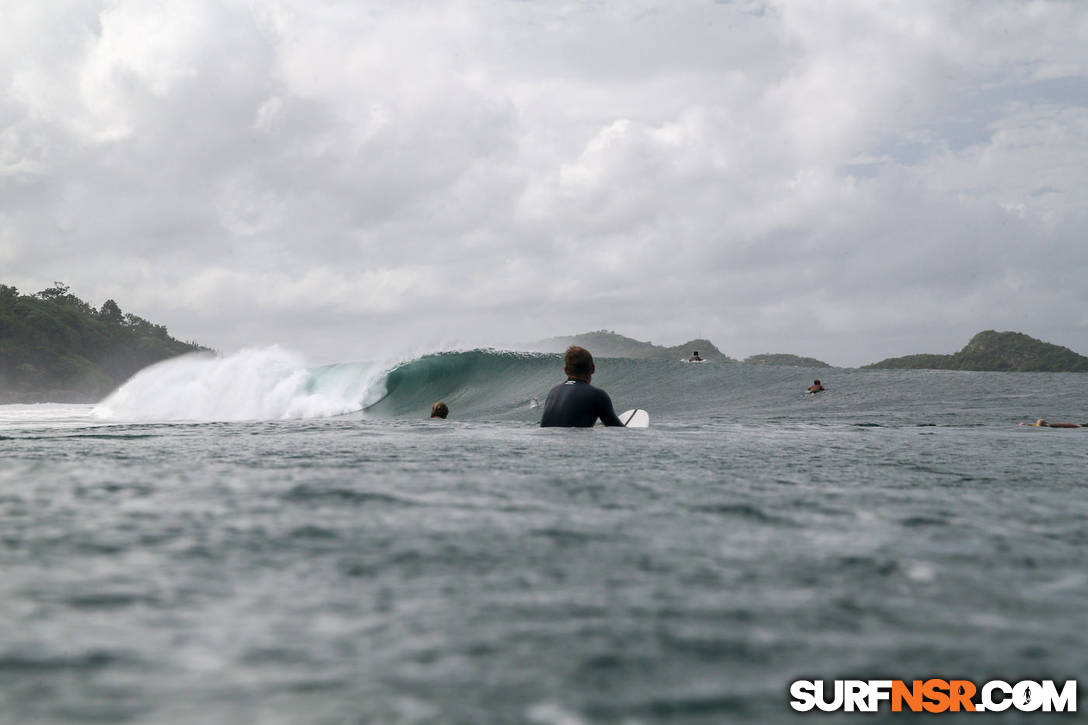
point(933, 695)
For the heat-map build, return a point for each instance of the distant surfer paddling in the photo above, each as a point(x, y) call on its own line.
point(575, 403)
point(1043, 424)
point(816, 387)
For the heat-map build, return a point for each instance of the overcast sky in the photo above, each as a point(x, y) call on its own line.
point(845, 180)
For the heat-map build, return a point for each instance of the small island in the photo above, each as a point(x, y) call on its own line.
point(996, 351)
point(607, 343)
point(780, 358)
point(56, 348)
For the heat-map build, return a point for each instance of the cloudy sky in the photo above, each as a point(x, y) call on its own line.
point(846, 180)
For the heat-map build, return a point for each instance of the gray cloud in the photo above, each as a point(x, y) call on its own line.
point(847, 180)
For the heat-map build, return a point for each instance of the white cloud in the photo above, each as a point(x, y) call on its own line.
point(848, 180)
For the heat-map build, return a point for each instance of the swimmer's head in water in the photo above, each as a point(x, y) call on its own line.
point(1041, 423)
point(440, 410)
point(578, 363)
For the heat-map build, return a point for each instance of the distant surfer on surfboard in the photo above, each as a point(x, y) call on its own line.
point(695, 357)
point(816, 387)
point(575, 403)
point(1043, 424)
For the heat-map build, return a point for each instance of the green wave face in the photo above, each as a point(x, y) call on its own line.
point(495, 385)
point(478, 384)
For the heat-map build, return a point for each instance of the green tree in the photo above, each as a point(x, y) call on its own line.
point(111, 313)
point(58, 291)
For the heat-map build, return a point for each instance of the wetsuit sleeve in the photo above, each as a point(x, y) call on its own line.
point(606, 412)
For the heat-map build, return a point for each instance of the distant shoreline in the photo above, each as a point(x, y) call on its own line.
point(54, 347)
point(991, 351)
point(988, 351)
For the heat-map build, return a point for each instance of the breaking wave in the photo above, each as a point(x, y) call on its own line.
point(495, 385)
point(256, 384)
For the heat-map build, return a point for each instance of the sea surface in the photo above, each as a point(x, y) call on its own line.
point(235, 540)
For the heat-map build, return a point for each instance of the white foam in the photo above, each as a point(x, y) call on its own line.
point(254, 384)
point(46, 415)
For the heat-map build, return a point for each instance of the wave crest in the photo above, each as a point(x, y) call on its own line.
point(253, 384)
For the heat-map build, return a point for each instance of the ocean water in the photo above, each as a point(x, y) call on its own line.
point(236, 541)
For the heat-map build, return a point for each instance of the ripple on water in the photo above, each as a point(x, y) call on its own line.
point(743, 511)
point(16, 663)
point(306, 493)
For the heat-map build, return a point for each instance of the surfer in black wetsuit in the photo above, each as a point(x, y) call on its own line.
point(576, 403)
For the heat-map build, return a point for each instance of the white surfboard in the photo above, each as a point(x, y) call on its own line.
point(635, 418)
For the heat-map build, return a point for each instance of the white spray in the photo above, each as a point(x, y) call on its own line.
point(253, 384)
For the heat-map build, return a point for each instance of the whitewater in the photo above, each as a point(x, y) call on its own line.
point(254, 384)
point(249, 538)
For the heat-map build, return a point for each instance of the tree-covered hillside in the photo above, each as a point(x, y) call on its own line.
point(606, 343)
point(997, 351)
point(56, 347)
point(780, 358)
